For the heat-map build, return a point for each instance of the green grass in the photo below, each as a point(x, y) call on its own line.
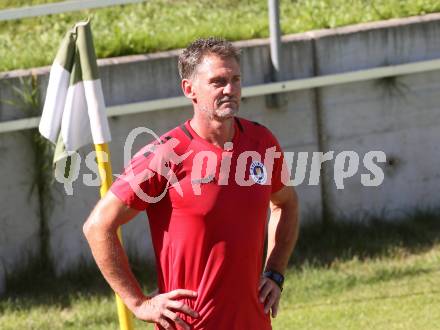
point(364, 275)
point(168, 24)
point(80, 300)
point(396, 292)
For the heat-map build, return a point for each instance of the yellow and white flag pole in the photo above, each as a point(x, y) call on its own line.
point(105, 173)
point(74, 114)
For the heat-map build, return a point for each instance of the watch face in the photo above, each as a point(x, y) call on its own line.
point(278, 278)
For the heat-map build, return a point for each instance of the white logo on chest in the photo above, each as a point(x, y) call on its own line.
point(258, 172)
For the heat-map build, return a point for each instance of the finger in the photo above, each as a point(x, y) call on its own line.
point(181, 293)
point(275, 308)
point(174, 318)
point(180, 306)
point(270, 301)
point(263, 281)
point(165, 324)
point(264, 292)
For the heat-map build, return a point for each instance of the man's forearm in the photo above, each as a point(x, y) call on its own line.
point(282, 235)
point(113, 263)
point(100, 230)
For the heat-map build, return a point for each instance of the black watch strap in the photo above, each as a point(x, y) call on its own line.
point(278, 278)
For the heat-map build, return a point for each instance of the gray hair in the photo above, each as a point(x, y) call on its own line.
point(192, 55)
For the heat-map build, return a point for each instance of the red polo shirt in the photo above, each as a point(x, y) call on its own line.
point(208, 218)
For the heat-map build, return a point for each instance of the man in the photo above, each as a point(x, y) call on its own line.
point(208, 225)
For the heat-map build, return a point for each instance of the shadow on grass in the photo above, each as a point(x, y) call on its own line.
point(367, 237)
point(35, 286)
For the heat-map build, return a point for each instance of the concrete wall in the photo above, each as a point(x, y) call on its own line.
point(19, 221)
point(398, 116)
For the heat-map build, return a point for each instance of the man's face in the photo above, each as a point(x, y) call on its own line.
point(216, 86)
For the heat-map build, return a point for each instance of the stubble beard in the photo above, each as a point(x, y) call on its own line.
point(220, 114)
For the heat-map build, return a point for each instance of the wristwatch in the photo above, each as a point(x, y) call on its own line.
point(278, 278)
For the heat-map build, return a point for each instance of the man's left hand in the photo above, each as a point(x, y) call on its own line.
point(270, 294)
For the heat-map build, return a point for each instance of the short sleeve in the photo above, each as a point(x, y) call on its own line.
point(140, 184)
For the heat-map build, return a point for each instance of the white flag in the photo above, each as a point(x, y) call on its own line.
point(74, 110)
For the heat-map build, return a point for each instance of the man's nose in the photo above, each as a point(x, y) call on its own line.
point(229, 89)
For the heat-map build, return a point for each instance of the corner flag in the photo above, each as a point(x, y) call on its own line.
point(74, 109)
point(74, 113)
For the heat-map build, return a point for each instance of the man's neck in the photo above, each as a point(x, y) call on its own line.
point(213, 131)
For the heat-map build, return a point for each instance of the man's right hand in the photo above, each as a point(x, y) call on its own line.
point(162, 308)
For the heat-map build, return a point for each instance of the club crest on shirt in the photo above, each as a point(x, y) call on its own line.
point(258, 172)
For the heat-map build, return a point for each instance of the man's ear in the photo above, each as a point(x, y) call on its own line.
point(188, 88)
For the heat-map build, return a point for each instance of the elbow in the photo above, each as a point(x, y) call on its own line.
point(91, 227)
point(92, 224)
point(294, 201)
point(96, 227)
point(87, 228)
point(294, 207)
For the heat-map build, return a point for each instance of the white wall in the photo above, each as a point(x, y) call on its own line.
point(402, 122)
